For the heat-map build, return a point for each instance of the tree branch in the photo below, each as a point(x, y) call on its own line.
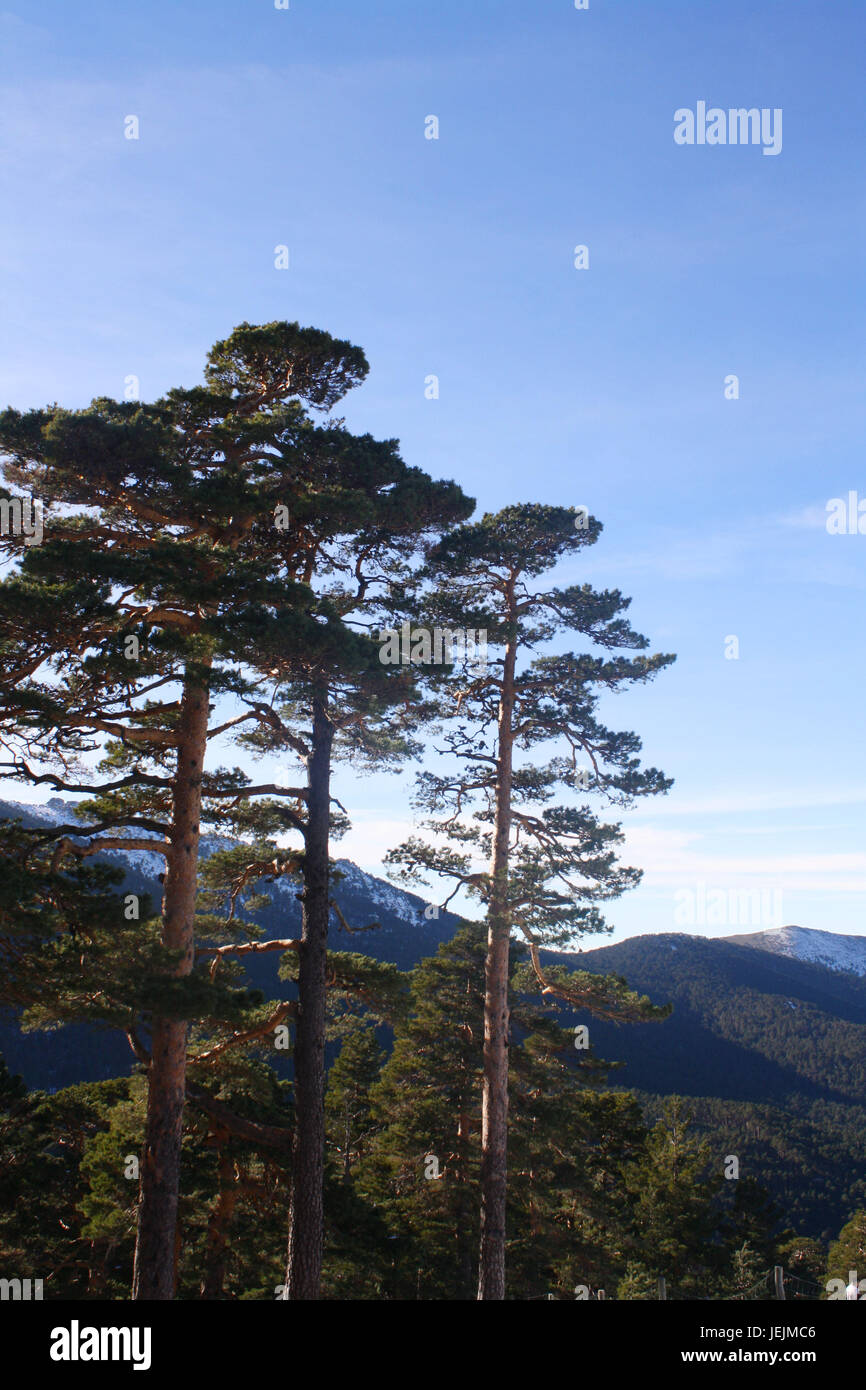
point(286, 1009)
point(344, 925)
point(246, 948)
point(271, 1136)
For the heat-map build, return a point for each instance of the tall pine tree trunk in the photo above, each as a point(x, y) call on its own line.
point(304, 1271)
point(216, 1250)
point(494, 1095)
point(154, 1268)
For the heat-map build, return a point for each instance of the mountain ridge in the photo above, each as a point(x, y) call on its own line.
point(835, 950)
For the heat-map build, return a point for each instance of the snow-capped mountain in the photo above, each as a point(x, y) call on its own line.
point(56, 811)
point(384, 896)
point(827, 948)
point(377, 919)
point(367, 896)
point(372, 895)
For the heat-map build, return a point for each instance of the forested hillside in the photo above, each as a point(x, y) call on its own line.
point(770, 1052)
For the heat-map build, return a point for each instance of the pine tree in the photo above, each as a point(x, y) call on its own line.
point(347, 1100)
point(753, 1219)
point(342, 702)
point(357, 1253)
point(746, 1269)
point(181, 564)
point(548, 865)
point(571, 1142)
point(847, 1253)
point(43, 1139)
point(422, 1167)
point(675, 1212)
point(805, 1258)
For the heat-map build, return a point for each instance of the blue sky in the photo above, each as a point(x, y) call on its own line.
point(454, 257)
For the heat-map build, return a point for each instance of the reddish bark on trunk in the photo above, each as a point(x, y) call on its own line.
point(494, 1096)
point(154, 1273)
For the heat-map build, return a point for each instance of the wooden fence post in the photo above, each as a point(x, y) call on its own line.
point(779, 1280)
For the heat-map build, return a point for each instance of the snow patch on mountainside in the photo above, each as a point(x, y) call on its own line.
point(830, 949)
point(56, 811)
point(384, 895)
point(404, 906)
point(407, 907)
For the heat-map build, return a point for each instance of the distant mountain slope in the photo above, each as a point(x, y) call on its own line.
point(830, 949)
point(770, 1051)
point(747, 1024)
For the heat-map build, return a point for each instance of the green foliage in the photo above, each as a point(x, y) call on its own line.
point(569, 1143)
point(562, 859)
point(848, 1251)
point(43, 1140)
point(673, 1188)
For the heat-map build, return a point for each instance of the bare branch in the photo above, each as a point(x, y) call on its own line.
point(246, 948)
point(344, 925)
point(135, 779)
point(66, 846)
point(286, 1009)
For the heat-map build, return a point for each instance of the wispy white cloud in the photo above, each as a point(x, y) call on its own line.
point(678, 859)
point(749, 803)
point(370, 838)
